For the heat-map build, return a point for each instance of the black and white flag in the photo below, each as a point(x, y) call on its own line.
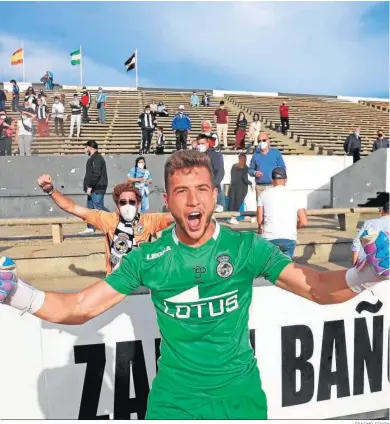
point(131, 62)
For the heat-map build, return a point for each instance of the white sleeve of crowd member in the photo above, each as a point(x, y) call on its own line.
point(356, 245)
point(25, 298)
point(259, 201)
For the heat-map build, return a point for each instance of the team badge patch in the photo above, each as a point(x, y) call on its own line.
point(224, 267)
point(121, 244)
point(140, 229)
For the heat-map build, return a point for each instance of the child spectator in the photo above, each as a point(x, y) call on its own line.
point(160, 142)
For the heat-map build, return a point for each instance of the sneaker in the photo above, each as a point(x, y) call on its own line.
point(218, 208)
point(87, 231)
point(233, 221)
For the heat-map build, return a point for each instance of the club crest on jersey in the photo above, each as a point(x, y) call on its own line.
point(121, 244)
point(139, 229)
point(224, 267)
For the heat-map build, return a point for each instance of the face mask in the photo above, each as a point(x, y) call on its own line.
point(202, 148)
point(24, 116)
point(128, 212)
point(141, 165)
point(56, 101)
point(356, 133)
point(147, 112)
point(100, 91)
point(263, 145)
point(2, 117)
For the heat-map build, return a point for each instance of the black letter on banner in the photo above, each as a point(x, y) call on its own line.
point(130, 353)
point(95, 358)
point(157, 343)
point(252, 340)
point(373, 358)
point(334, 334)
point(291, 363)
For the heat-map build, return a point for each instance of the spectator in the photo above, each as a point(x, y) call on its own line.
point(31, 97)
point(75, 107)
point(6, 129)
point(378, 224)
point(280, 214)
point(353, 144)
point(194, 145)
point(62, 98)
point(161, 110)
point(24, 132)
point(181, 126)
point(380, 142)
point(221, 118)
point(205, 145)
point(86, 103)
point(141, 178)
point(205, 100)
point(57, 112)
point(254, 130)
point(124, 229)
point(101, 99)
point(284, 117)
point(3, 99)
point(49, 83)
point(95, 181)
point(263, 161)
point(239, 184)
point(147, 123)
point(240, 131)
point(42, 119)
point(15, 96)
point(153, 108)
point(42, 96)
point(194, 100)
point(212, 136)
point(160, 142)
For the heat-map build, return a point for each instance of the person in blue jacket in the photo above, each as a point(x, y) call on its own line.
point(263, 161)
point(181, 126)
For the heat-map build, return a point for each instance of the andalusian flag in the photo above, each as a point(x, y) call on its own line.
point(17, 57)
point(75, 57)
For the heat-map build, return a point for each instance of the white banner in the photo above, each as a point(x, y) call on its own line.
point(315, 361)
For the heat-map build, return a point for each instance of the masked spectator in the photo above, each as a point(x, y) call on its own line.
point(15, 96)
point(284, 117)
point(24, 132)
point(194, 100)
point(141, 178)
point(95, 181)
point(263, 161)
point(86, 103)
point(353, 144)
point(6, 129)
point(160, 142)
point(181, 126)
point(239, 184)
point(101, 99)
point(380, 142)
point(75, 107)
point(205, 100)
point(153, 107)
point(57, 112)
point(31, 98)
point(240, 131)
point(147, 123)
point(42, 112)
point(208, 131)
point(221, 118)
point(161, 110)
point(254, 130)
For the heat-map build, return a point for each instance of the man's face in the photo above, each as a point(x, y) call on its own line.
point(206, 128)
point(191, 199)
point(202, 145)
point(181, 110)
point(128, 197)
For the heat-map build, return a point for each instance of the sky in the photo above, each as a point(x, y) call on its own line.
point(334, 48)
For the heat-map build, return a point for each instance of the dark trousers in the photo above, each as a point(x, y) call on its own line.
point(285, 122)
point(85, 115)
point(181, 139)
point(147, 135)
point(59, 122)
point(356, 155)
point(15, 102)
point(2, 104)
point(96, 201)
point(6, 146)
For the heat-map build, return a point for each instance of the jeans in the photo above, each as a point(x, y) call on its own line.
point(286, 246)
point(102, 113)
point(15, 102)
point(2, 104)
point(145, 203)
point(221, 198)
point(96, 201)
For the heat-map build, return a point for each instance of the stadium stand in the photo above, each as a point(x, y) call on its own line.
point(317, 125)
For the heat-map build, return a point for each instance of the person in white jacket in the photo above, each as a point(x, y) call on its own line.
point(58, 114)
point(254, 130)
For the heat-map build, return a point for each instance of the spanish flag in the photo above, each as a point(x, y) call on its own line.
point(17, 57)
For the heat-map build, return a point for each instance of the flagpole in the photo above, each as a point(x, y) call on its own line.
point(136, 69)
point(24, 58)
point(81, 67)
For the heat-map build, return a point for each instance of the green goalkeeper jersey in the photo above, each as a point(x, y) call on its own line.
point(202, 297)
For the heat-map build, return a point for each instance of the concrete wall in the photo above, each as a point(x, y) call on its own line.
point(356, 184)
point(20, 196)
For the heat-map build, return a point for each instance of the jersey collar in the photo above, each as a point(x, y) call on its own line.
point(215, 235)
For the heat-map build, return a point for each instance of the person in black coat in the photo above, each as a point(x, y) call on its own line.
point(239, 184)
point(380, 142)
point(353, 144)
point(95, 180)
point(147, 122)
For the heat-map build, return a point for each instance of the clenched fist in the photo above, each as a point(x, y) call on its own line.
point(46, 183)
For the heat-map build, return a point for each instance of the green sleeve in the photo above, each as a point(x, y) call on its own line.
point(266, 259)
point(127, 277)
